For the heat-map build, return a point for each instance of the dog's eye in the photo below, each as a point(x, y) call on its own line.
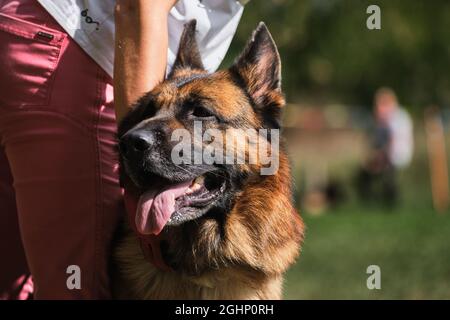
point(201, 112)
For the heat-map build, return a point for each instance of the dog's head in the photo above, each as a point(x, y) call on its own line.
point(165, 137)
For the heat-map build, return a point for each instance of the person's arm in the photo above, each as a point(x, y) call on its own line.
point(140, 49)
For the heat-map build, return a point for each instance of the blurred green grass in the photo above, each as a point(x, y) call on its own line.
point(411, 246)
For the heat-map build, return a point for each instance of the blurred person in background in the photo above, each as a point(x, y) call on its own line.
point(391, 150)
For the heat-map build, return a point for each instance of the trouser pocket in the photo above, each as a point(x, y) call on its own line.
point(28, 57)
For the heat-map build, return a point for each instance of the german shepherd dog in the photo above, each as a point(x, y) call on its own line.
point(211, 230)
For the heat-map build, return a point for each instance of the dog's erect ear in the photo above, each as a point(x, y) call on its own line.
point(188, 55)
point(259, 67)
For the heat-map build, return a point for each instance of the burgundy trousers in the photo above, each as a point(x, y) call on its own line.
point(60, 199)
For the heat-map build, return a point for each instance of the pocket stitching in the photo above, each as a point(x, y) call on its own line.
point(51, 74)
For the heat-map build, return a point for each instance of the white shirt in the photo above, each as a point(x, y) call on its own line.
point(402, 140)
point(91, 24)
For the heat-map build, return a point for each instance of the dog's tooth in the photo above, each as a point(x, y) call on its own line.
point(199, 180)
point(194, 187)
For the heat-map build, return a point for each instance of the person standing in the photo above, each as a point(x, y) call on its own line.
point(392, 146)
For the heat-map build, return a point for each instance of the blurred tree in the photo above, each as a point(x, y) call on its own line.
point(329, 55)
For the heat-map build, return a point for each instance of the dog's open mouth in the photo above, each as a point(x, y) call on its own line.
point(171, 204)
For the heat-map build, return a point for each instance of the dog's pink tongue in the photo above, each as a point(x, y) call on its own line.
point(154, 209)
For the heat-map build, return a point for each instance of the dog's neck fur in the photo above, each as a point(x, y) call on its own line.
point(139, 279)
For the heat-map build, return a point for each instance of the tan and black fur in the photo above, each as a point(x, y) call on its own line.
point(240, 247)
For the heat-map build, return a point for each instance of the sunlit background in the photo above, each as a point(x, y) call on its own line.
point(332, 67)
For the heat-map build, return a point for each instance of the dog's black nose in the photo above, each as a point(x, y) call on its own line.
point(136, 143)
